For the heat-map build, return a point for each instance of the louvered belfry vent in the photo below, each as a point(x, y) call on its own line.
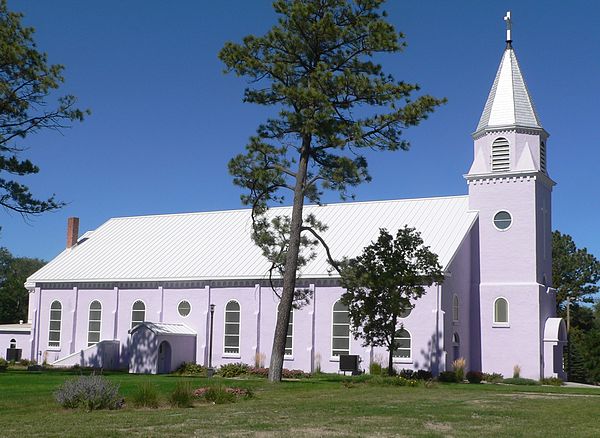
point(543, 156)
point(500, 155)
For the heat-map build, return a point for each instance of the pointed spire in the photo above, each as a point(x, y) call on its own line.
point(509, 102)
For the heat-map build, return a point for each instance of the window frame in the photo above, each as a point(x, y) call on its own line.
point(504, 167)
point(399, 359)
point(55, 345)
point(496, 323)
point(334, 357)
point(239, 334)
point(145, 308)
point(99, 331)
point(504, 210)
point(12, 343)
point(455, 309)
point(189, 304)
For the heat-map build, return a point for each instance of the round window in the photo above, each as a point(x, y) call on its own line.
point(406, 312)
point(184, 308)
point(502, 220)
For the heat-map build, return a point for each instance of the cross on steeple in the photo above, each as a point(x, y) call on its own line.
point(508, 28)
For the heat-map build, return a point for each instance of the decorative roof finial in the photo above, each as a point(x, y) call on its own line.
point(508, 29)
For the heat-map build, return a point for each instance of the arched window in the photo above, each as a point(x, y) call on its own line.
point(13, 343)
point(403, 344)
point(340, 330)
point(455, 346)
point(94, 322)
point(501, 311)
point(500, 155)
point(543, 156)
point(55, 323)
point(231, 344)
point(455, 308)
point(138, 313)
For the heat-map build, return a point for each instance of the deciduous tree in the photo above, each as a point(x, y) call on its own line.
point(384, 282)
point(14, 298)
point(316, 67)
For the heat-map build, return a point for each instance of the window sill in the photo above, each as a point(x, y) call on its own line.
point(501, 325)
point(53, 349)
point(231, 356)
point(403, 360)
point(455, 322)
point(288, 357)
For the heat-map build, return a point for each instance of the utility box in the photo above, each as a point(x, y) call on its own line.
point(351, 363)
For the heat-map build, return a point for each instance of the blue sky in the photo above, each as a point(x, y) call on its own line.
point(166, 120)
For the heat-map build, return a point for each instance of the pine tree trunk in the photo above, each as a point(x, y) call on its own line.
point(291, 266)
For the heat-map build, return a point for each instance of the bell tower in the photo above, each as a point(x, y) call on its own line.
point(510, 188)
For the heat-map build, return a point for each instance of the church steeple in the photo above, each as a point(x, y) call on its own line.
point(509, 103)
point(509, 136)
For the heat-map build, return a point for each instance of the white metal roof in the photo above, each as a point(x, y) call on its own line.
point(509, 102)
point(161, 328)
point(217, 245)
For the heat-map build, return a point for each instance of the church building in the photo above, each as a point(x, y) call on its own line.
point(143, 292)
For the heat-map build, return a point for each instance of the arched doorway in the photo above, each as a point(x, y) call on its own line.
point(555, 339)
point(164, 358)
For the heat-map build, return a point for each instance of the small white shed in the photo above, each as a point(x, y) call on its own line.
point(159, 348)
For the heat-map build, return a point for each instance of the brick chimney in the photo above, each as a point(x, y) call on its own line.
point(72, 231)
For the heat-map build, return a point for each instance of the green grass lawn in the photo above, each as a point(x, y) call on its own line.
point(322, 406)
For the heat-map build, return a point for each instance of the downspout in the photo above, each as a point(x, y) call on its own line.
point(162, 303)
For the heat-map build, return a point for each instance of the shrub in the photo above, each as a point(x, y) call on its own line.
point(423, 375)
point(493, 377)
point(448, 377)
point(375, 368)
point(516, 371)
point(474, 376)
point(182, 396)
point(25, 362)
point(89, 393)
point(233, 369)
point(294, 374)
point(459, 368)
point(191, 369)
point(552, 381)
point(146, 396)
point(520, 381)
point(220, 395)
point(3, 364)
point(260, 372)
point(407, 374)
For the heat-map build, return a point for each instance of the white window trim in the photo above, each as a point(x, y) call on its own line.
point(457, 319)
point(55, 347)
point(239, 352)
point(288, 356)
point(100, 329)
point(332, 357)
point(190, 312)
point(501, 324)
point(408, 359)
point(492, 155)
point(131, 312)
point(512, 220)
